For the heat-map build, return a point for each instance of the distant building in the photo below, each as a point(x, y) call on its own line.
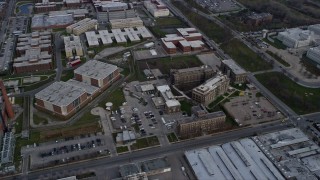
point(73, 3)
point(296, 37)
point(187, 40)
point(46, 6)
point(171, 104)
point(3, 9)
point(157, 8)
point(33, 52)
point(235, 72)
point(314, 55)
point(110, 10)
point(315, 28)
point(191, 77)
point(43, 22)
point(77, 14)
point(126, 23)
point(72, 46)
point(211, 89)
point(256, 19)
point(201, 122)
point(117, 35)
point(97, 74)
point(82, 26)
point(7, 150)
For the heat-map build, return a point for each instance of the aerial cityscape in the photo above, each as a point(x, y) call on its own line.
point(159, 89)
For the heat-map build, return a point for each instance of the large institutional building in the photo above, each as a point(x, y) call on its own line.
point(156, 8)
point(187, 40)
point(211, 89)
point(82, 26)
point(72, 46)
point(65, 98)
point(33, 52)
point(167, 99)
point(126, 23)
point(110, 10)
point(117, 35)
point(235, 72)
point(201, 122)
point(191, 77)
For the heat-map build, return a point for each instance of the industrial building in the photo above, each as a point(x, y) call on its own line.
point(188, 78)
point(43, 22)
point(241, 160)
point(201, 122)
point(77, 14)
point(73, 3)
point(97, 74)
point(157, 8)
point(296, 37)
point(167, 99)
point(126, 23)
point(82, 26)
point(7, 148)
point(33, 52)
point(117, 35)
point(61, 98)
point(141, 170)
point(211, 89)
point(187, 40)
point(72, 46)
point(235, 72)
point(314, 55)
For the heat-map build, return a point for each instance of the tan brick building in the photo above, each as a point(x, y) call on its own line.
point(211, 89)
point(186, 79)
point(236, 73)
point(200, 123)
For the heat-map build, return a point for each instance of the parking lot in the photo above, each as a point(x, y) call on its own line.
point(250, 110)
point(220, 5)
point(68, 150)
point(140, 115)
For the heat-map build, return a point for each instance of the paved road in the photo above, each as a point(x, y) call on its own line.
point(154, 152)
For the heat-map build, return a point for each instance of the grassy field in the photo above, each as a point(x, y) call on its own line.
point(168, 21)
point(186, 107)
point(301, 99)
point(66, 75)
point(39, 120)
point(116, 97)
point(278, 58)
point(172, 137)
point(165, 64)
point(310, 65)
point(277, 43)
point(39, 84)
point(145, 142)
point(244, 56)
point(212, 30)
point(122, 149)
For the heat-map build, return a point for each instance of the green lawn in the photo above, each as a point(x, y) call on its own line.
point(66, 75)
point(215, 102)
point(122, 149)
point(278, 58)
point(186, 107)
point(39, 120)
point(277, 44)
point(145, 142)
point(165, 64)
point(172, 137)
point(116, 97)
point(18, 124)
point(244, 56)
point(301, 99)
point(211, 29)
point(38, 84)
point(168, 21)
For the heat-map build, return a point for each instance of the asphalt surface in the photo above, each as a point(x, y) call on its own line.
point(154, 152)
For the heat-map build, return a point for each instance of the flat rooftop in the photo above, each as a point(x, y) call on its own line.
point(60, 93)
point(87, 87)
point(211, 84)
point(242, 160)
point(234, 66)
point(95, 69)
